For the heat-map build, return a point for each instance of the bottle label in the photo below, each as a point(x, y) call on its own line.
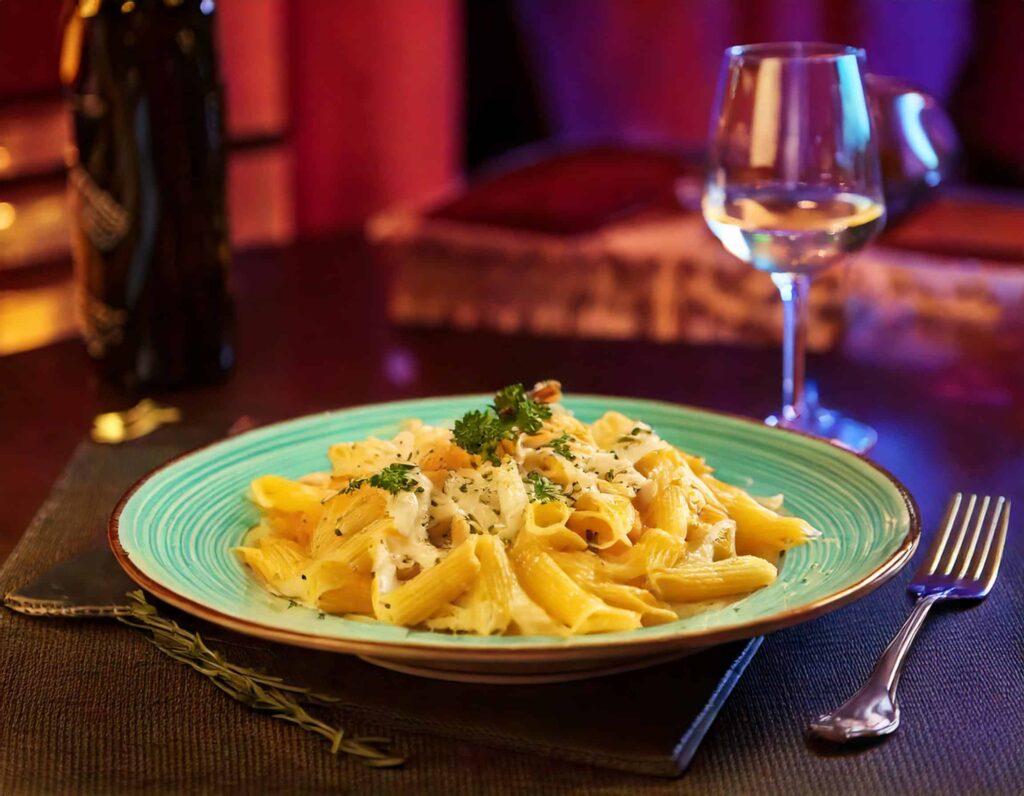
point(102, 325)
point(101, 217)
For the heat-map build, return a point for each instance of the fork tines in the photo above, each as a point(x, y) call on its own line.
point(969, 544)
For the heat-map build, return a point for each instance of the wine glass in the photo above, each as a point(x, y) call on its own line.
point(793, 185)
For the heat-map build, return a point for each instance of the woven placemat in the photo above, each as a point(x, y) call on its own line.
point(86, 705)
point(579, 722)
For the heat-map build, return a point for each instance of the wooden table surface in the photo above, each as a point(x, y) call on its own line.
point(312, 336)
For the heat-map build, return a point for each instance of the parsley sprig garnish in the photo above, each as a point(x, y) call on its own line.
point(512, 403)
point(394, 478)
point(513, 412)
point(480, 432)
point(544, 489)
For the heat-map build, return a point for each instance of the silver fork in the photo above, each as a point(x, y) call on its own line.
point(960, 566)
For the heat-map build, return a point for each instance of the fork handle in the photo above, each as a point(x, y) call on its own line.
point(872, 711)
point(889, 667)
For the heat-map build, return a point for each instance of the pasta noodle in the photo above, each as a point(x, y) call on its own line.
point(520, 520)
point(706, 581)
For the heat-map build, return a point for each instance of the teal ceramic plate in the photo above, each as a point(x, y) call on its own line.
point(173, 533)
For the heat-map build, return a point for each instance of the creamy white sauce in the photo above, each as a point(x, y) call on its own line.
point(410, 511)
point(384, 569)
point(493, 499)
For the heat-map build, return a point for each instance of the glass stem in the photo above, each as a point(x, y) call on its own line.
point(794, 289)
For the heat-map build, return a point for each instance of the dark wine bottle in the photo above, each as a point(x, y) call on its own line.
point(146, 178)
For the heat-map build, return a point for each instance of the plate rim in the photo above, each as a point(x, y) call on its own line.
point(556, 649)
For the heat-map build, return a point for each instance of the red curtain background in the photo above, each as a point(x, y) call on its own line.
point(367, 96)
point(375, 104)
point(648, 68)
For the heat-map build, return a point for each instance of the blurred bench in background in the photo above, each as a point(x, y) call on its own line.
point(608, 242)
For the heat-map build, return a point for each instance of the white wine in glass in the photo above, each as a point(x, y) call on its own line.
point(774, 231)
point(793, 186)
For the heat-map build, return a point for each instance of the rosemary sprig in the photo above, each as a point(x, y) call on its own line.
point(261, 692)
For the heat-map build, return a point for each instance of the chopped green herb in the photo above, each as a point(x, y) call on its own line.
point(560, 445)
point(394, 478)
point(544, 489)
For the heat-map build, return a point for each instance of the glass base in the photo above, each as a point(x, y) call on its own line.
point(828, 424)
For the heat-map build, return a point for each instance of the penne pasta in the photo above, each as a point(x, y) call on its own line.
point(427, 593)
point(281, 563)
point(657, 549)
point(599, 578)
point(343, 591)
point(358, 459)
point(603, 520)
point(558, 594)
point(529, 619)
point(356, 550)
point(280, 494)
point(759, 530)
point(486, 607)
point(521, 519)
point(670, 511)
point(708, 581)
point(652, 611)
point(547, 522)
point(345, 514)
point(549, 465)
